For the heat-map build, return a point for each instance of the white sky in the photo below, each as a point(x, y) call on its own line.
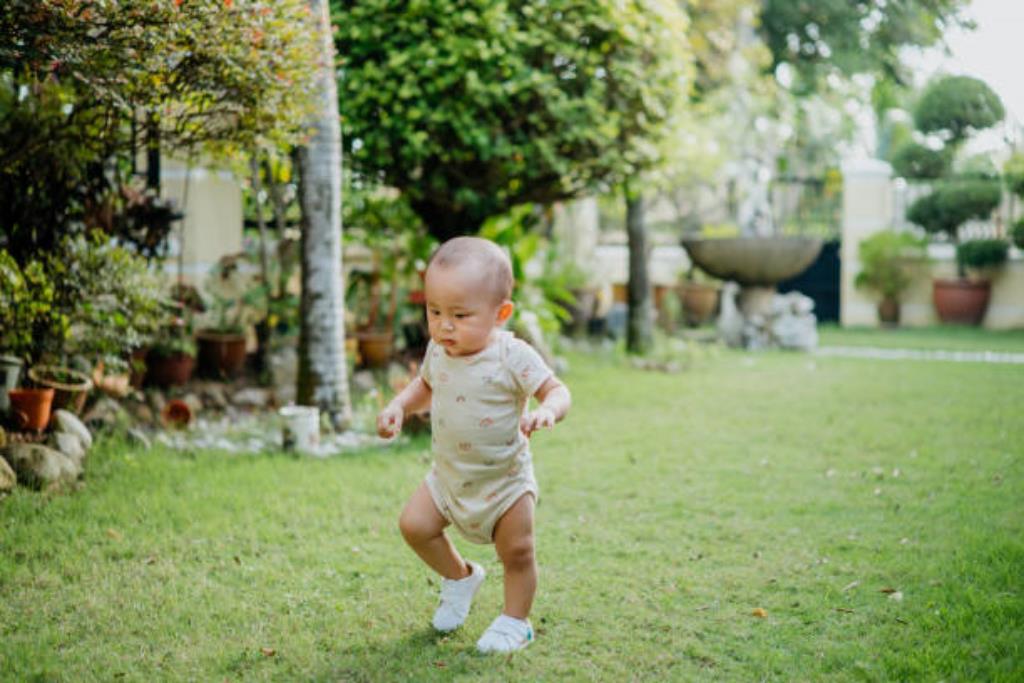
point(993, 52)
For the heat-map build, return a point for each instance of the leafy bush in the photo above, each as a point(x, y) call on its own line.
point(884, 258)
point(981, 253)
point(957, 105)
point(1013, 171)
point(28, 316)
point(109, 296)
point(952, 204)
point(1017, 233)
point(914, 160)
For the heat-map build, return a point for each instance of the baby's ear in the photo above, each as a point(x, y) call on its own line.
point(505, 312)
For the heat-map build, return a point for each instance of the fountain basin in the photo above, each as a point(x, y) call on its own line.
point(754, 261)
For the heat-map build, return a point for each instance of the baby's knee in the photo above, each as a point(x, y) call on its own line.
point(413, 529)
point(518, 553)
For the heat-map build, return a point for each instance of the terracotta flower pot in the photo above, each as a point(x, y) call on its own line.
point(30, 408)
point(167, 371)
point(177, 414)
point(221, 355)
point(699, 302)
point(375, 348)
point(889, 311)
point(71, 387)
point(961, 301)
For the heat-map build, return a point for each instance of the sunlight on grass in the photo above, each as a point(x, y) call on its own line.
point(672, 506)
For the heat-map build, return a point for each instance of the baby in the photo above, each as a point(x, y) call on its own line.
point(477, 380)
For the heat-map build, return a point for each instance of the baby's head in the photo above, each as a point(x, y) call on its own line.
point(469, 289)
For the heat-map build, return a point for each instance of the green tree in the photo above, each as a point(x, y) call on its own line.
point(848, 37)
point(471, 108)
point(105, 79)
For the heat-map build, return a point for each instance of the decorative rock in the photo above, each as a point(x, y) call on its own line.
point(64, 421)
point(40, 467)
point(251, 397)
point(138, 437)
point(194, 402)
point(7, 477)
point(70, 445)
point(213, 396)
point(157, 401)
point(106, 412)
point(143, 414)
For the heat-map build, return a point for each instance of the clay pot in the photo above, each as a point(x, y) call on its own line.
point(961, 301)
point(71, 387)
point(177, 414)
point(699, 302)
point(889, 311)
point(375, 348)
point(30, 408)
point(221, 355)
point(167, 371)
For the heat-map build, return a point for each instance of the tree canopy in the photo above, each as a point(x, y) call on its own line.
point(84, 84)
point(471, 108)
point(848, 37)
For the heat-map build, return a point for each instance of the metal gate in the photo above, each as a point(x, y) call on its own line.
point(820, 282)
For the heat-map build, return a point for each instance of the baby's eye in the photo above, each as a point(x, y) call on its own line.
point(433, 311)
point(460, 316)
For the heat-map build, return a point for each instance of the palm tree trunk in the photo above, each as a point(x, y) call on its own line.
point(323, 373)
point(638, 327)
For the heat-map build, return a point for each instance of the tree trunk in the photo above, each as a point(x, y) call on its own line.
point(638, 328)
point(323, 372)
point(264, 369)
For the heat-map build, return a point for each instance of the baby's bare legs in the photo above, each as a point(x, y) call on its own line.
point(513, 539)
point(423, 528)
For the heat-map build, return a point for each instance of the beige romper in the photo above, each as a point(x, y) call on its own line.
point(482, 461)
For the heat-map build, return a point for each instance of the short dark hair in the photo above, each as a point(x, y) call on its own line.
point(498, 266)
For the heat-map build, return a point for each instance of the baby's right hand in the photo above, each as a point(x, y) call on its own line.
point(389, 422)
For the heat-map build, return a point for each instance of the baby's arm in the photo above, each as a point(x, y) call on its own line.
point(414, 398)
point(554, 399)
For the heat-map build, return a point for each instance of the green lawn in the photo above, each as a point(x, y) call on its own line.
point(672, 506)
point(946, 337)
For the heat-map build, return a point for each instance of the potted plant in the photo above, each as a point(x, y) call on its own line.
point(27, 317)
point(885, 259)
point(172, 356)
point(951, 108)
point(381, 223)
point(237, 300)
point(698, 296)
point(963, 299)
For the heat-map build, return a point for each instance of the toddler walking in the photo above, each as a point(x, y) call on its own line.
point(477, 380)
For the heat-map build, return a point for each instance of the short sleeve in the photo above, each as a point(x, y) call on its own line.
point(426, 365)
point(529, 371)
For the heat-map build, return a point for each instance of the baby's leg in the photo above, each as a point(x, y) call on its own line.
point(423, 528)
point(513, 539)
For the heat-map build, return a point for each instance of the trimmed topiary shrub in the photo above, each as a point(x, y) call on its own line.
point(957, 105)
point(1017, 233)
point(952, 204)
point(981, 253)
point(914, 160)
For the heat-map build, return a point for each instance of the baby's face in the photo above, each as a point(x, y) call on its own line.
point(462, 311)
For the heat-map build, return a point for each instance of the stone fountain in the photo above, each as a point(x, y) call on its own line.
point(757, 261)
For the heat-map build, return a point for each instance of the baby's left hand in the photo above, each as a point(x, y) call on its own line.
point(542, 418)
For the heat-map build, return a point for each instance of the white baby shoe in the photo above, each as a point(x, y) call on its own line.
point(456, 597)
point(505, 634)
